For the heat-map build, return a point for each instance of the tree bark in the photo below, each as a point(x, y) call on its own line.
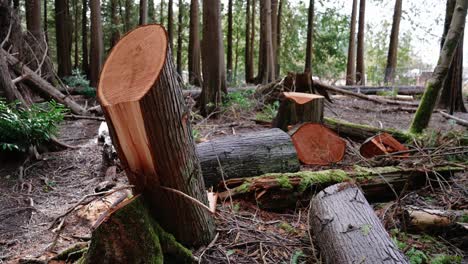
point(274, 33)
point(158, 152)
point(214, 71)
point(310, 37)
point(278, 36)
point(76, 34)
point(247, 155)
point(351, 65)
point(393, 48)
point(229, 43)
point(6, 84)
point(434, 85)
point(360, 67)
point(348, 229)
point(170, 24)
point(266, 69)
point(247, 67)
point(179, 37)
point(33, 18)
point(84, 39)
point(128, 15)
point(96, 42)
point(63, 37)
point(143, 12)
point(252, 43)
point(161, 11)
point(115, 32)
point(194, 45)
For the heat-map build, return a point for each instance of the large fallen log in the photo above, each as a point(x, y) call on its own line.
point(283, 190)
point(363, 132)
point(42, 85)
point(346, 229)
point(406, 90)
point(150, 128)
point(247, 155)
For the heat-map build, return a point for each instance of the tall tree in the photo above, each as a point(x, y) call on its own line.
point(393, 48)
point(248, 67)
point(128, 15)
point(278, 35)
point(143, 12)
point(179, 36)
point(45, 21)
point(360, 68)
point(115, 32)
point(170, 24)
point(63, 38)
point(274, 31)
point(250, 59)
point(229, 43)
point(214, 71)
point(151, 11)
point(266, 72)
point(84, 38)
point(452, 96)
point(351, 66)
point(434, 84)
point(96, 50)
point(310, 37)
point(76, 33)
point(161, 11)
point(33, 18)
point(194, 45)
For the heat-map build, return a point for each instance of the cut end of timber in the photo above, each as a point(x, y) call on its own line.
point(317, 145)
point(381, 144)
point(135, 62)
point(301, 98)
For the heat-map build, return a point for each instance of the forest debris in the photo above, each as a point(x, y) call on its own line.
point(381, 144)
point(458, 120)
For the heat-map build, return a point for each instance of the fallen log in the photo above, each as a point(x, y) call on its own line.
point(458, 120)
point(346, 229)
point(42, 85)
point(247, 155)
point(434, 220)
point(362, 132)
point(277, 191)
point(405, 90)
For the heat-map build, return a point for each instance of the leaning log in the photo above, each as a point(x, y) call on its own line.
point(346, 229)
point(405, 90)
point(42, 85)
point(150, 127)
point(247, 155)
point(282, 190)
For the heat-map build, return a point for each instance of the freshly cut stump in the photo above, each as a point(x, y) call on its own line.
point(247, 155)
point(317, 145)
point(149, 125)
point(346, 229)
point(381, 144)
point(298, 108)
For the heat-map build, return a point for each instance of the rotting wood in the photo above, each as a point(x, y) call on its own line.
point(347, 229)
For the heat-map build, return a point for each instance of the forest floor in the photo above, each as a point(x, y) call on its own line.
point(33, 223)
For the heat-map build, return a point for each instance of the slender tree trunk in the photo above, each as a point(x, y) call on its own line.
point(33, 18)
point(360, 68)
point(170, 24)
point(310, 37)
point(452, 96)
point(434, 85)
point(115, 32)
point(84, 39)
point(63, 37)
point(393, 48)
point(266, 64)
point(45, 21)
point(247, 41)
point(96, 42)
point(151, 12)
point(214, 71)
point(143, 12)
point(351, 66)
point(76, 31)
point(179, 37)
point(229, 43)
point(274, 32)
point(194, 45)
point(128, 15)
point(250, 59)
point(161, 11)
point(278, 36)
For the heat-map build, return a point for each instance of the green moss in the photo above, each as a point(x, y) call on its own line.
point(309, 178)
point(283, 181)
point(244, 187)
point(364, 172)
point(287, 227)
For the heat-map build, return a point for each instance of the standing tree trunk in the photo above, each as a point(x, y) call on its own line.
point(84, 39)
point(266, 71)
point(214, 71)
point(229, 43)
point(45, 21)
point(274, 32)
point(96, 42)
point(360, 68)
point(158, 153)
point(161, 11)
point(151, 12)
point(250, 57)
point(143, 12)
point(393, 48)
point(310, 37)
point(434, 84)
point(351, 66)
point(452, 96)
point(63, 36)
point(179, 37)
point(128, 15)
point(115, 32)
point(194, 45)
point(76, 34)
point(170, 24)
point(247, 67)
point(33, 18)
point(278, 36)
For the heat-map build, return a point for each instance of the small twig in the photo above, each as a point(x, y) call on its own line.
point(85, 117)
point(8, 34)
point(202, 205)
point(212, 243)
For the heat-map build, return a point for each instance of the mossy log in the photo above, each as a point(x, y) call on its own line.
point(247, 155)
point(277, 191)
point(346, 229)
point(363, 132)
point(130, 235)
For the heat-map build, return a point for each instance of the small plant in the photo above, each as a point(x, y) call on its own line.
point(240, 100)
point(287, 227)
point(269, 112)
point(78, 79)
point(446, 259)
point(22, 128)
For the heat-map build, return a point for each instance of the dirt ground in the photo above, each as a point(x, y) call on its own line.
point(29, 209)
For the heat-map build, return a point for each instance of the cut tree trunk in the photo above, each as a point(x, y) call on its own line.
point(347, 230)
point(247, 155)
point(130, 235)
point(150, 127)
point(276, 191)
point(298, 108)
point(381, 144)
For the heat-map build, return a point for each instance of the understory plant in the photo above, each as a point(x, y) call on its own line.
point(21, 128)
point(78, 79)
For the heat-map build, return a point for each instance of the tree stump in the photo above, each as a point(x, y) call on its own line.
point(347, 230)
point(150, 128)
point(299, 108)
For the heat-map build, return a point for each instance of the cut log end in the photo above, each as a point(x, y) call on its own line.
point(301, 98)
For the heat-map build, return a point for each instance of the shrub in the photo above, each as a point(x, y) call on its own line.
point(22, 128)
point(78, 79)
